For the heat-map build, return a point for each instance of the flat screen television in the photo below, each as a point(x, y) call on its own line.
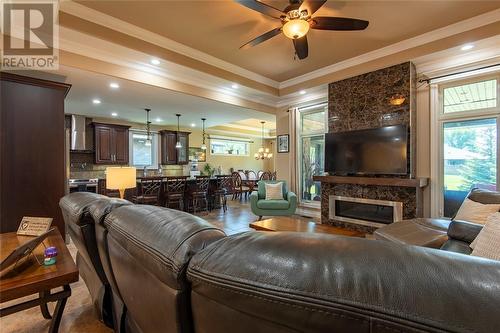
point(370, 152)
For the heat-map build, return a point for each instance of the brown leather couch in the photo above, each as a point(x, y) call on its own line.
point(447, 234)
point(174, 272)
point(148, 250)
point(80, 226)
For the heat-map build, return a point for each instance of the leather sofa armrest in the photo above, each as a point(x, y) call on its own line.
point(464, 231)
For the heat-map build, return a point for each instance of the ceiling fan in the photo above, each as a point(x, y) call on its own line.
point(296, 20)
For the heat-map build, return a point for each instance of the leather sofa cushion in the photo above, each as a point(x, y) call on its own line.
point(74, 207)
point(457, 246)
point(149, 250)
point(484, 196)
point(273, 204)
point(464, 231)
point(322, 283)
point(161, 239)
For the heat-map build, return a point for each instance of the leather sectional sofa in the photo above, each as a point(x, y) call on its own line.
point(169, 271)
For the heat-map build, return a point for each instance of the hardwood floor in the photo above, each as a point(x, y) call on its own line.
point(79, 317)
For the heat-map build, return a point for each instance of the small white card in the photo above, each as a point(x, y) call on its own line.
point(34, 226)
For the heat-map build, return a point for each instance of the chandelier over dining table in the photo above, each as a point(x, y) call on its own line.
point(263, 153)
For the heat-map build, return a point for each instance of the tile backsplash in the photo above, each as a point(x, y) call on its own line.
point(84, 171)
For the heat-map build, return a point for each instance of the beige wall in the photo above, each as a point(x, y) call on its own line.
point(283, 160)
point(227, 162)
point(423, 142)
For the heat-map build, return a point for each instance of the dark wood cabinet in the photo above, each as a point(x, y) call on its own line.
point(171, 155)
point(183, 153)
point(111, 143)
point(32, 150)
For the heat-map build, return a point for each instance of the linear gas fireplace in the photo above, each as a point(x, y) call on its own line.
point(368, 212)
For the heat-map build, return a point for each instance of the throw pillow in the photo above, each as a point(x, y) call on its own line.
point(487, 243)
point(476, 212)
point(274, 191)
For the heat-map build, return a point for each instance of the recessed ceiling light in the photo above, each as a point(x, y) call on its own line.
point(114, 114)
point(158, 120)
point(155, 61)
point(235, 86)
point(114, 85)
point(193, 125)
point(96, 101)
point(302, 92)
point(467, 47)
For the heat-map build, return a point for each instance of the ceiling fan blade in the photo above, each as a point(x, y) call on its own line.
point(301, 47)
point(337, 23)
point(311, 6)
point(262, 8)
point(262, 38)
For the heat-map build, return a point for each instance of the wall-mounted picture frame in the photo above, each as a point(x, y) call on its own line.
point(197, 154)
point(283, 143)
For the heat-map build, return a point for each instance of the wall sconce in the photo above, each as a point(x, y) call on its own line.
point(397, 100)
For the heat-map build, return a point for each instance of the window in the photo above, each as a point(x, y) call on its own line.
point(312, 129)
point(141, 154)
point(468, 133)
point(229, 147)
point(470, 96)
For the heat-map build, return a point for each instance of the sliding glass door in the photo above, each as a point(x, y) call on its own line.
point(468, 121)
point(470, 159)
point(311, 161)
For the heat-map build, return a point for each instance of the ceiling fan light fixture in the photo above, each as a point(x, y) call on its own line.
point(296, 28)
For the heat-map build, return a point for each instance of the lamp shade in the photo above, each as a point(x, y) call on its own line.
point(120, 178)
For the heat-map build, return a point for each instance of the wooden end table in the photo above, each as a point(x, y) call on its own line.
point(286, 223)
point(28, 277)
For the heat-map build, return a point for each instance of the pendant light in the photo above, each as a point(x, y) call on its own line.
point(178, 144)
point(148, 129)
point(203, 145)
point(263, 152)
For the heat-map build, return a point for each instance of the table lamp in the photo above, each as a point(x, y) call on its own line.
point(120, 178)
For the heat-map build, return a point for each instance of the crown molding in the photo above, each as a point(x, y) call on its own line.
point(485, 52)
point(431, 36)
point(111, 22)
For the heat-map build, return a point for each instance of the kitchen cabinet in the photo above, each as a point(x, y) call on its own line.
point(111, 143)
point(171, 155)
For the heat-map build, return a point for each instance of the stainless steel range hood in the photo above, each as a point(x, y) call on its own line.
point(78, 129)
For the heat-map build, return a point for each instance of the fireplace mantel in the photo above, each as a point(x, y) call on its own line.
point(377, 181)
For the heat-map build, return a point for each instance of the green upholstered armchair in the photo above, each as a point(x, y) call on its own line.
point(262, 207)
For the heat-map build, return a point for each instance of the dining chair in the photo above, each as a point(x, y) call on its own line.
point(175, 188)
point(149, 191)
point(251, 175)
point(265, 175)
point(198, 197)
point(239, 188)
point(224, 187)
point(259, 174)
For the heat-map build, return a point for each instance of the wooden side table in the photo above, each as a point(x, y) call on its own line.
point(28, 278)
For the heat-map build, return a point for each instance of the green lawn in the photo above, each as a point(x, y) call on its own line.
point(453, 182)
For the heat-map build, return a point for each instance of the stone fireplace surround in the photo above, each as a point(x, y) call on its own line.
point(363, 102)
point(408, 191)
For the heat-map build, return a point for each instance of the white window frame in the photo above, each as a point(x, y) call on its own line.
point(247, 143)
point(439, 118)
point(300, 135)
point(154, 149)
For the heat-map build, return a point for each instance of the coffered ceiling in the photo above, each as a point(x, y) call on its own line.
point(219, 28)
